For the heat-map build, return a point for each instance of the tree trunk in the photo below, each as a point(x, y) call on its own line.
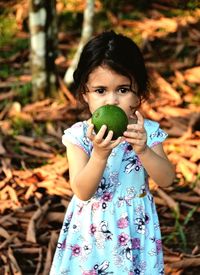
point(43, 40)
point(85, 36)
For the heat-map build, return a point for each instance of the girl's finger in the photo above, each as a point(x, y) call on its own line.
point(108, 138)
point(90, 131)
point(101, 133)
point(133, 134)
point(140, 118)
point(135, 127)
point(135, 141)
point(116, 142)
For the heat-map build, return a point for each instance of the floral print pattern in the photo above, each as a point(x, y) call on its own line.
point(116, 231)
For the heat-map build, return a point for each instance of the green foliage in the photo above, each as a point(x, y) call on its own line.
point(178, 236)
point(117, 7)
point(17, 46)
point(102, 22)
point(20, 126)
point(3, 104)
point(7, 29)
point(113, 5)
point(193, 4)
point(21, 44)
point(185, 51)
point(16, 147)
point(190, 215)
point(132, 15)
point(179, 230)
point(4, 71)
point(196, 98)
point(39, 129)
point(24, 93)
point(135, 36)
point(70, 21)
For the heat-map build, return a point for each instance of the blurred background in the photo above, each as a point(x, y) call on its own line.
point(40, 43)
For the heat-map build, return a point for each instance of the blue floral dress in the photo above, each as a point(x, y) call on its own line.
point(117, 230)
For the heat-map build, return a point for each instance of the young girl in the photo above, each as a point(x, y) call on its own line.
point(111, 224)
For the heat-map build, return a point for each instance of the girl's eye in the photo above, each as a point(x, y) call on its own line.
point(124, 90)
point(100, 91)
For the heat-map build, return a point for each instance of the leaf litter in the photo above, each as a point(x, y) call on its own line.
point(34, 177)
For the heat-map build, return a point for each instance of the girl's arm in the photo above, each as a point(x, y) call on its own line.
point(86, 172)
point(157, 165)
point(153, 159)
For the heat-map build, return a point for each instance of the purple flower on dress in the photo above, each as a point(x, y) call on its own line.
point(135, 243)
point(158, 246)
point(122, 222)
point(93, 229)
point(123, 239)
point(107, 196)
point(76, 250)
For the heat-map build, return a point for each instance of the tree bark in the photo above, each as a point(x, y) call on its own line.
point(43, 40)
point(85, 36)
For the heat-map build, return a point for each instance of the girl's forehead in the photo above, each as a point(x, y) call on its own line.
point(102, 69)
point(105, 73)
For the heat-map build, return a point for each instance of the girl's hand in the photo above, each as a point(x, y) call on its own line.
point(136, 135)
point(102, 147)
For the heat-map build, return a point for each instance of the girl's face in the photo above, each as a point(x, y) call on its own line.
point(105, 86)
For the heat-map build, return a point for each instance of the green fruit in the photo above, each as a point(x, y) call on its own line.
point(113, 117)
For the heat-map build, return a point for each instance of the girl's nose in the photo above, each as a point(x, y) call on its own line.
point(112, 99)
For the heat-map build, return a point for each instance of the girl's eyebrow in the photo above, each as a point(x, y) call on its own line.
point(101, 86)
point(125, 85)
point(98, 86)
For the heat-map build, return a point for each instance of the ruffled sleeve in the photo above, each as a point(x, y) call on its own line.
point(76, 135)
point(155, 134)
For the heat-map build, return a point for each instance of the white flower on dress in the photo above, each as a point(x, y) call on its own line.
point(75, 227)
point(100, 239)
point(125, 200)
point(102, 234)
point(139, 209)
point(140, 225)
point(130, 190)
point(152, 252)
point(86, 250)
point(119, 260)
point(87, 247)
point(156, 226)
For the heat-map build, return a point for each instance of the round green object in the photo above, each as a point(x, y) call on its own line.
point(113, 117)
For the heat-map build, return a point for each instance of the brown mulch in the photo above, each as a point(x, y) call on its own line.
point(34, 179)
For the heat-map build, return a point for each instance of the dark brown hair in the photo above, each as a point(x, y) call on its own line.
point(119, 53)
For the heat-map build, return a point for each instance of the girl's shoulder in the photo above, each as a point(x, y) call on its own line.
point(155, 134)
point(77, 135)
point(77, 128)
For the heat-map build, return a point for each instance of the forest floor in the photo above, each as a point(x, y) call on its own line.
point(34, 180)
